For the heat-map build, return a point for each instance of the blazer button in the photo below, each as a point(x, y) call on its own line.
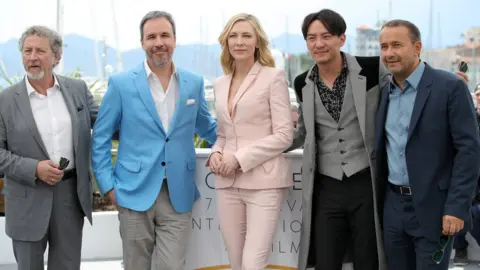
point(342, 152)
point(163, 163)
point(167, 140)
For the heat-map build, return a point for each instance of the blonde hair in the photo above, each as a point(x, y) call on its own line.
point(262, 53)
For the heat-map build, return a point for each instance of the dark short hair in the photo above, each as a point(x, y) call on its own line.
point(333, 22)
point(157, 15)
point(413, 30)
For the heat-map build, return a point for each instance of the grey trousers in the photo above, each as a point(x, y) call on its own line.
point(159, 231)
point(64, 234)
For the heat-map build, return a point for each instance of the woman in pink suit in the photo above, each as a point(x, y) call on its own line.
point(254, 127)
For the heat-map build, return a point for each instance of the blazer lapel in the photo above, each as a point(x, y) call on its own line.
point(72, 108)
point(308, 103)
point(252, 74)
point(143, 89)
point(423, 92)
point(224, 95)
point(358, 87)
point(23, 104)
point(381, 118)
point(183, 87)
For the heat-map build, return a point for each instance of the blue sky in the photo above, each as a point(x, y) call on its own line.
point(203, 20)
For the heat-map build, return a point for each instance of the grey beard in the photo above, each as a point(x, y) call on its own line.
point(37, 76)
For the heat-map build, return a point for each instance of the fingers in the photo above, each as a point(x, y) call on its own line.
point(462, 76)
point(452, 226)
point(112, 198)
point(223, 170)
point(53, 164)
point(55, 171)
point(51, 180)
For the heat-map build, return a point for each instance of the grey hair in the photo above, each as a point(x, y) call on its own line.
point(56, 42)
point(157, 15)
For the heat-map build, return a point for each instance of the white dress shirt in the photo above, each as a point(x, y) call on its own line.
point(164, 100)
point(53, 122)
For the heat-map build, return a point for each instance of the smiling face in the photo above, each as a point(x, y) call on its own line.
point(158, 42)
point(38, 58)
point(323, 45)
point(242, 41)
point(399, 52)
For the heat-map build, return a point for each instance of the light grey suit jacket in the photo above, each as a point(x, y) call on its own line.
point(29, 201)
point(366, 76)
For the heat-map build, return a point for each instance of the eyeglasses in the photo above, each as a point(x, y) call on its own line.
point(438, 254)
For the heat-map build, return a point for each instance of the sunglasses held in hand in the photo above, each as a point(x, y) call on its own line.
point(63, 163)
point(438, 254)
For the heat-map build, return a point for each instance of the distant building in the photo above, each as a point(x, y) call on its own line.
point(473, 33)
point(367, 41)
point(469, 52)
point(445, 59)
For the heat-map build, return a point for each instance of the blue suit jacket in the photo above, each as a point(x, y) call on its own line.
point(442, 151)
point(145, 149)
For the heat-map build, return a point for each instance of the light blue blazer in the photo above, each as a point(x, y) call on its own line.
point(145, 149)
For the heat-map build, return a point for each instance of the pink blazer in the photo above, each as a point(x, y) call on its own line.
point(259, 130)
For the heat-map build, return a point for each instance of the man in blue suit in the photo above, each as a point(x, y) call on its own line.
point(157, 108)
point(428, 154)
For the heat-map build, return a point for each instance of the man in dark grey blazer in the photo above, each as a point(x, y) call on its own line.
point(44, 118)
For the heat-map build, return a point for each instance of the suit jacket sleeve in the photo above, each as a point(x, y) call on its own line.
point(15, 167)
point(106, 124)
point(206, 126)
point(299, 132)
point(466, 141)
point(271, 146)
point(92, 105)
point(220, 143)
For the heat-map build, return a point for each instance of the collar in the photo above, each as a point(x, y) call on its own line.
point(414, 78)
point(30, 88)
point(150, 72)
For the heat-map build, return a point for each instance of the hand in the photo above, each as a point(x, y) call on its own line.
point(229, 165)
point(214, 162)
point(111, 197)
point(463, 76)
point(452, 225)
point(48, 172)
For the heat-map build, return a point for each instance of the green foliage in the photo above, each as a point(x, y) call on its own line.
point(10, 80)
point(199, 142)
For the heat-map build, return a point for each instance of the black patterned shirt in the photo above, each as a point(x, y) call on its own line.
point(332, 99)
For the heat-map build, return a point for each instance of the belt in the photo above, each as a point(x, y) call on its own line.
point(67, 174)
point(403, 190)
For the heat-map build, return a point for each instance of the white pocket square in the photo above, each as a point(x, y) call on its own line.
point(190, 101)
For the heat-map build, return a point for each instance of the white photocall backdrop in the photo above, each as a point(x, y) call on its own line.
point(206, 249)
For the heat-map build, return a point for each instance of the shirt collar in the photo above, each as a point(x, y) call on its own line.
point(414, 78)
point(150, 72)
point(30, 88)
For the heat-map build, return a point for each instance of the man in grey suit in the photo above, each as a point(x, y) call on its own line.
point(338, 98)
point(44, 118)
